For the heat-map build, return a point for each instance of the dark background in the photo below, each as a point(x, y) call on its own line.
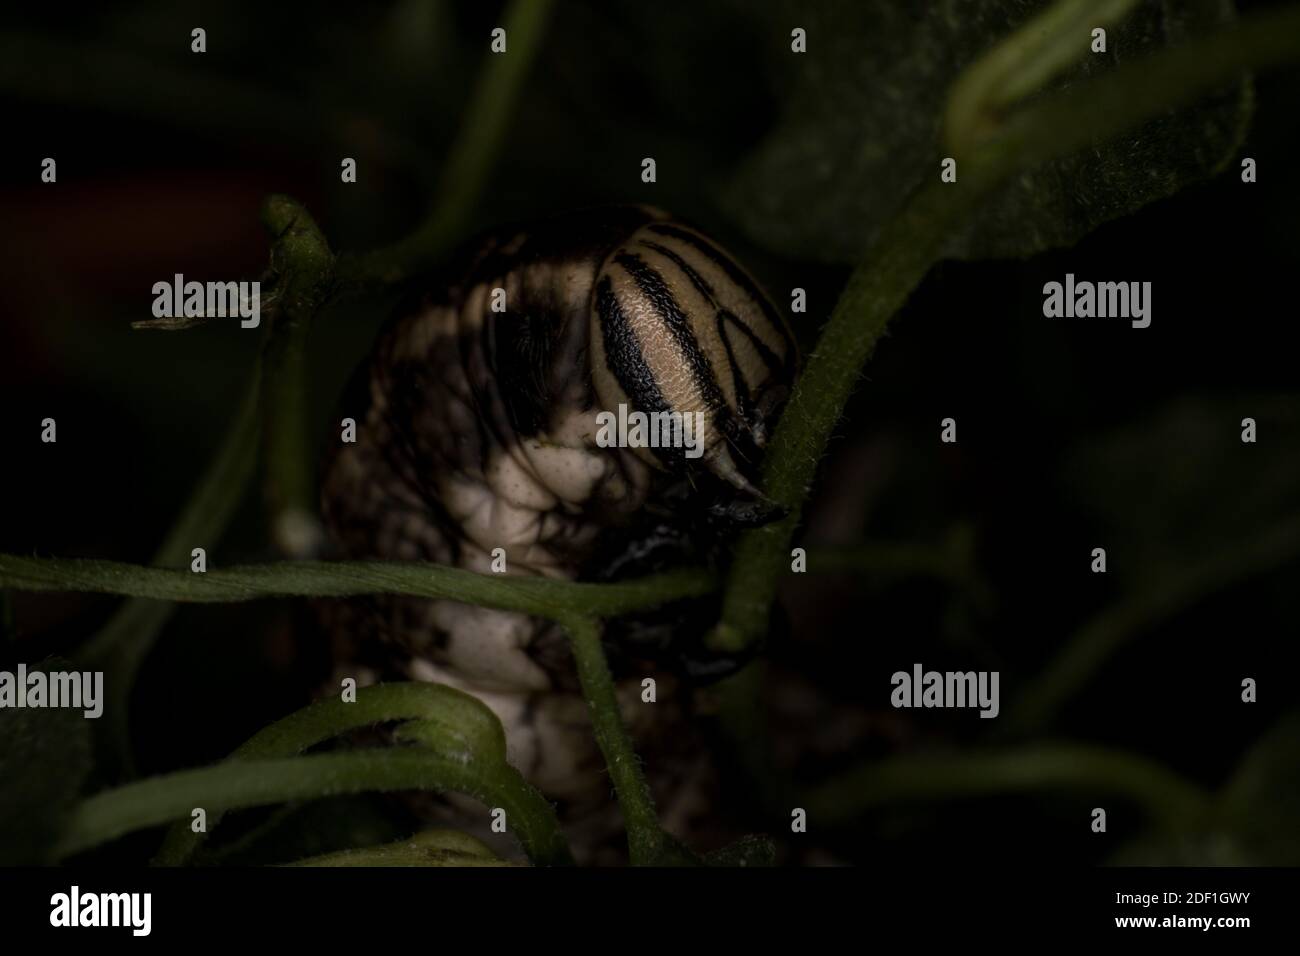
point(1072, 434)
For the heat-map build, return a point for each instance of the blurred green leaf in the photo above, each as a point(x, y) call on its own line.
point(428, 848)
point(301, 831)
point(1161, 848)
point(861, 128)
point(1179, 485)
point(1255, 824)
point(1262, 800)
point(44, 760)
point(748, 851)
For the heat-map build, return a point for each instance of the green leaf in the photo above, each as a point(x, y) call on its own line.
point(862, 122)
point(300, 831)
point(461, 748)
point(1175, 486)
point(1261, 803)
point(429, 848)
point(748, 851)
point(44, 760)
point(1257, 822)
point(1211, 847)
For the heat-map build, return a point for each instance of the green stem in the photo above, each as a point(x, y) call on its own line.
point(879, 558)
point(121, 645)
point(301, 255)
point(648, 844)
point(482, 133)
point(1097, 771)
point(254, 783)
point(303, 265)
point(952, 561)
point(908, 246)
point(429, 848)
point(913, 241)
point(1074, 118)
point(1022, 63)
point(454, 724)
point(545, 597)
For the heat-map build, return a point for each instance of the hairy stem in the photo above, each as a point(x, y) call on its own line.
point(913, 241)
point(647, 843)
point(455, 725)
point(253, 783)
point(909, 245)
point(545, 597)
point(303, 266)
point(429, 848)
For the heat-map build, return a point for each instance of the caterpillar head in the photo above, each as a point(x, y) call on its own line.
point(681, 334)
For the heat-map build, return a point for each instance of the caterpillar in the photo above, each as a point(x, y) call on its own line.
point(478, 433)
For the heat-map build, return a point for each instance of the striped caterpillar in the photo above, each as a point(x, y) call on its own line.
point(477, 425)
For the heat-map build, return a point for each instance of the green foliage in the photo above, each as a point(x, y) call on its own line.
point(852, 168)
point(429, 848)
point(1021, 134)
point(862, 128)
point(748, 851)
point(1171, 801)
point(545, 597)
point(44, 762)
point(459, 747)
point(1182, 541)
point(1163, 526)
point(303, 830)
point(1262, 801)
point(1254, 818)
